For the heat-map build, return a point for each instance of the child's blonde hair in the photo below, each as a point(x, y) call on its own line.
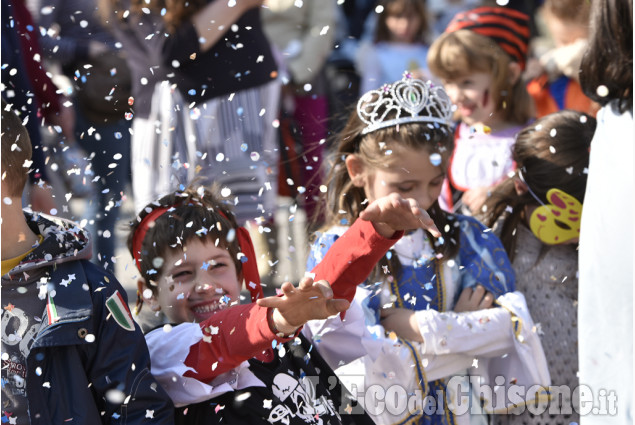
point(456, 54)
point(574, 11)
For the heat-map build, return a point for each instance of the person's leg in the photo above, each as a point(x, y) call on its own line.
point(108, 146)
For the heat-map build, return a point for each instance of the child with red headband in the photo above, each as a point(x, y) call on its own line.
point(224, 362)
point(479, 59)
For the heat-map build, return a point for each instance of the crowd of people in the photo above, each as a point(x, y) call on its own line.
point(468, 252)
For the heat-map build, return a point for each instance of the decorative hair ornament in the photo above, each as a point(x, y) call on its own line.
point(411, 99)
point(558, 221)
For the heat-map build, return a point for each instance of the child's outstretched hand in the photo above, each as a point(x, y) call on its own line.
point(393, 213)
point(309, 301)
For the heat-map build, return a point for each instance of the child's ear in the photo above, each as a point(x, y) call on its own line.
point(514, 72)
point(355, 168)
point(153, 303)
point(241, 279)
point(520, 186)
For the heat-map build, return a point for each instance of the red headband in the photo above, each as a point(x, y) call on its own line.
point(509, 28)
point(249, 264)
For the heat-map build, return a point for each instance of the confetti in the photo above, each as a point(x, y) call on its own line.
point(115, 396)
point(244, 396)
point(435, 159)
point(602, 90)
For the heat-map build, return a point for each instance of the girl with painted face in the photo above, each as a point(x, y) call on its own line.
point(423, 315)
point(536, 212)
point(479, 59)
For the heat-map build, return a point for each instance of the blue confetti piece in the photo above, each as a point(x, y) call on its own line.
point(240, 111)
point(435, 159)
point(191, 92)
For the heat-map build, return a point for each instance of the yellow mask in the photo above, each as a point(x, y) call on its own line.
point(557, 222)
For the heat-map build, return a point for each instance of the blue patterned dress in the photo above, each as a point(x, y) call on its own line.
point(428, 281)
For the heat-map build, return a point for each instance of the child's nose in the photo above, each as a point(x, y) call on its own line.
point(204, 287)
point(454, 92)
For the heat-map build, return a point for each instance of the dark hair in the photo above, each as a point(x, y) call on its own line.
point(609, 60)
point(402, 8)
point(196, 212)
point(16, 151)
point(551, 152)
point(343, 201)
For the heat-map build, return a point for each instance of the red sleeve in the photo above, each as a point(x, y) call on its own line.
point(242, 332)
point(231, 336)
point(352, 258)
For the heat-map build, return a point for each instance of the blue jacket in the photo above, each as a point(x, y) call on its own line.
point(83, 364)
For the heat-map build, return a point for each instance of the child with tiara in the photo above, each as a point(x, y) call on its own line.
point(221, 362)
point(536, 212)
point(480, 58)
point(423, 314)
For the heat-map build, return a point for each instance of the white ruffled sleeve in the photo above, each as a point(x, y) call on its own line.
point(168, 351)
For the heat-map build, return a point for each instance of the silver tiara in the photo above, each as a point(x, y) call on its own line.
point(416, 100)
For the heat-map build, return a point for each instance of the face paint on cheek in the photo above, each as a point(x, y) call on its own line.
point(485, 98)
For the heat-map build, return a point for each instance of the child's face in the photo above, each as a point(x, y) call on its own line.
point(565, 33)
point(412, 175)
point(196, 282)
point(403, 27)
point(472, 95)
